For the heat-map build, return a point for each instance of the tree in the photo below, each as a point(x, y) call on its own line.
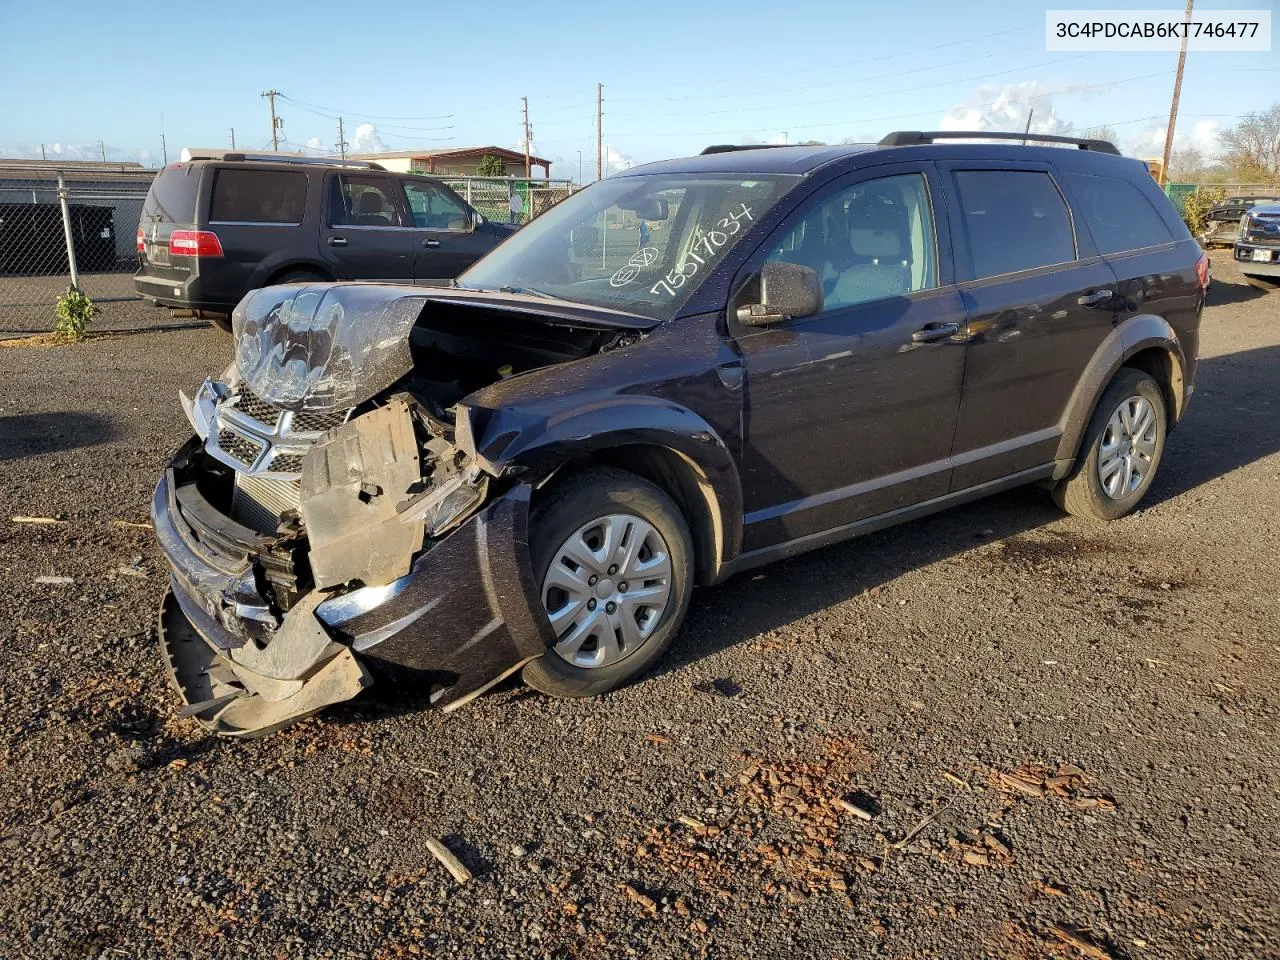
point(1187, 164)
point(1100, 133)
point(1253, 146)
point(490, 166)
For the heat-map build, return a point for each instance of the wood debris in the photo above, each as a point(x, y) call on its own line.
point(451, 862)
point(635, 896)
point(1066, 781)
point(37, 520)
point(1083, 946)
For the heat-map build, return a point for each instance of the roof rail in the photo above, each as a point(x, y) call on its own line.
point(271, 156)
point(734, 147)
point(904, 138)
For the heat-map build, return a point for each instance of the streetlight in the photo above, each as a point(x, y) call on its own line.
point(579, 168)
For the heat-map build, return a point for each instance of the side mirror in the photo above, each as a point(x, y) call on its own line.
point(477, 219)
point(787, 291)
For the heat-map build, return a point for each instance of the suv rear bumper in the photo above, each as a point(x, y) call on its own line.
point(460, 621)
point(185, 294)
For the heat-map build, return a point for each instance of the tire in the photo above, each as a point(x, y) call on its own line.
point(611, 500)
point(1262, 283)
point(1083, 493)
point(298, 276)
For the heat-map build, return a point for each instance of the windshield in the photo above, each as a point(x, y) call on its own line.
point(640, 244)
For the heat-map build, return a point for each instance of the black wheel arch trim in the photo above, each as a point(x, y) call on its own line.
point(609, 432)
point(1130, 338)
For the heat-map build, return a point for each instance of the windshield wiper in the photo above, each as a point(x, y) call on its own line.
point(527, 292)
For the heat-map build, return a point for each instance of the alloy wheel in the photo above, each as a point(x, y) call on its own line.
point(1127, 449)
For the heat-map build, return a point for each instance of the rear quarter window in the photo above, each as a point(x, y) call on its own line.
point(1118, 215)
point(172, 197)
point(1013, 220)
point(258, 196)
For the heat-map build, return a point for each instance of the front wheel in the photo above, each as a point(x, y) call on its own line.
point(1121, 450)
point(614, 560)
point(1262, 283)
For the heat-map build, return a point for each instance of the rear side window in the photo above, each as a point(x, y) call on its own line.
point(1014, 220)
point(258, 196)
point(1117, 213)
point(172, 197)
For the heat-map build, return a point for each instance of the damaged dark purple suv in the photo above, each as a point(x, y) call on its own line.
point(681, 372)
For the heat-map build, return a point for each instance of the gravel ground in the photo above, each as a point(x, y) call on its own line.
point(26, 304)
point(1057, 730)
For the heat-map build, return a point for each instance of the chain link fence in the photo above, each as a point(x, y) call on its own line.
point(507, 200)
point(64, 228)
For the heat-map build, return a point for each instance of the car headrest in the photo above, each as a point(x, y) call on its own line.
point(370, 202)
point(876, 244)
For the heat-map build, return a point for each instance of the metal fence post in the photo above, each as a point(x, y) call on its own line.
point(468, 191)
point(511, 216)
point(66, 230)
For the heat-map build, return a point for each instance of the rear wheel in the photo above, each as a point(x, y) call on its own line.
point(1121, 450)
point(614, 562)
point(299, 276)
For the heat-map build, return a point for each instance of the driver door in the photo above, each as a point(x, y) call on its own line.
point(850, 414)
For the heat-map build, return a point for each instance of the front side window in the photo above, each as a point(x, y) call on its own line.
point(435, 208)
point(258, 196)
point(868, 241)
point(641, 244)
point(1118, 215)
point(362, 202)
point(1013, 220)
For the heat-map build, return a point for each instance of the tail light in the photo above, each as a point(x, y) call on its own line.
point(142, 241)
point(1202, 271)
point(194, 243)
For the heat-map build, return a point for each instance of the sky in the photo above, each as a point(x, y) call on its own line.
point(677, 76)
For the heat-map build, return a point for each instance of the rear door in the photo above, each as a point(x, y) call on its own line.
point(1040, 301)
point(365, 233)
point(257, 213)
point(446, 238)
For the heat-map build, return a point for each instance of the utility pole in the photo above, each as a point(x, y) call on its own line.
point(164, 148)
point(233, 138)
point(342, 140)
point(275, 121)
point(1177, 93)
point(599, 132)
point(103, 147)
point(1031, 112)
point(525, 100)
point(43, 157)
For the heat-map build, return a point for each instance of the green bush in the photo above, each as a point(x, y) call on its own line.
point(74, 310)
point(1196, 207)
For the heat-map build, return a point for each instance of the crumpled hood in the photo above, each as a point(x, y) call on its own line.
point(324, 347)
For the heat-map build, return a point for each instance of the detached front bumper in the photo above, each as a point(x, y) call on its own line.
point(461, 620)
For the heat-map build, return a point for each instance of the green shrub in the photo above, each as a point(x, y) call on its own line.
point(74, 310)
point(1196, 207)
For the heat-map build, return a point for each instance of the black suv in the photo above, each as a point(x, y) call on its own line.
point(682, 372)
point(221, 224)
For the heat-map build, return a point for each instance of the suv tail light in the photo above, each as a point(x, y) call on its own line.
point(142, 241)
point(194, 243)
point(1202, 271)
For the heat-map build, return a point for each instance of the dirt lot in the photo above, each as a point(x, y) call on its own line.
point(1057, 730)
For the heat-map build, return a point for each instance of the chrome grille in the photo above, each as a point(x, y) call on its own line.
point(317, 421)
point(239, 447)
point(259, 502)
point(252, 405)
point(286, 463)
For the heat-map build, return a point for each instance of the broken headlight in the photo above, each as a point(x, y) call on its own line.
point(323, 347)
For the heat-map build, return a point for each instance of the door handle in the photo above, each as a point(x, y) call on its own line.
point(428, 242)
point(934, 332)
point(1096, 299)
point(337, 241)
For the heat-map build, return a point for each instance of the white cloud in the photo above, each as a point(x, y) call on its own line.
point(615, 162)
point(77, 151)
point(1203, 135)
point(996, 107)
point(366, 140)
